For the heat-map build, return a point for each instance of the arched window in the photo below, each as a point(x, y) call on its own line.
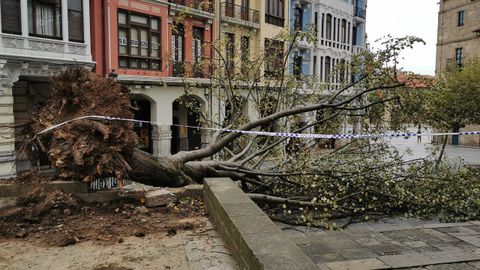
point(327, 68)
point(328, 25)
point(344, 31)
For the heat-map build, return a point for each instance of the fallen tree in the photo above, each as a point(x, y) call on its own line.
point(295, 178)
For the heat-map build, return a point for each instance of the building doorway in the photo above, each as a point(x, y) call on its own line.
point(144, 130)
point(186, 114)
point(29, 95)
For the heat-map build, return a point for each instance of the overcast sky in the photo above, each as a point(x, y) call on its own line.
point(406, 17)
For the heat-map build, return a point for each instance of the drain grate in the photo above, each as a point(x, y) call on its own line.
point(107, 183)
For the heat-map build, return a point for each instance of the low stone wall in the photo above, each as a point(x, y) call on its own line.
point(10, 192)
point(255, 241)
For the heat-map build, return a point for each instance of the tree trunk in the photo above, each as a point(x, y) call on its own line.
point(442, 151)
point(163, 171)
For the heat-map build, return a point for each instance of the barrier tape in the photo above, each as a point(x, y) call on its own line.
point(271, 134)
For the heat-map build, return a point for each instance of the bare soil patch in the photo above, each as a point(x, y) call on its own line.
point(54, 218)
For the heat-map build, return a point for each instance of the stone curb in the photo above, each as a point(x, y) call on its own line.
point(255, 241)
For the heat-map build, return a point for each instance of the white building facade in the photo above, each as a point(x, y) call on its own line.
point(37, 39)
point(340, 32)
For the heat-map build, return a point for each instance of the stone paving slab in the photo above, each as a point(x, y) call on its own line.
point(406, 244)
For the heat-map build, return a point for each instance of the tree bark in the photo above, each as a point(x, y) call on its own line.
point(442, 151)
point(163, 171)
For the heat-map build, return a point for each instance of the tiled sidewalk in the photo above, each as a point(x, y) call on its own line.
point(407, 244)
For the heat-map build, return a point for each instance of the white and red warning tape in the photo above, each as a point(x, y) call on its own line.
point(271, 134)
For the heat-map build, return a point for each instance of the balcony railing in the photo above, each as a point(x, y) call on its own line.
point(272, 19)
point(239, 12)
point(178, 69)
point(205, 5)
point(200, 69)
point(360, 12)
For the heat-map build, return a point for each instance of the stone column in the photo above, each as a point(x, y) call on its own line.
point(65, 20)
point(161, 140)
point(86, 25)
point(24, 17)
point(7, 138)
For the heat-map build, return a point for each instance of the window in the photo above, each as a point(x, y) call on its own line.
point(245, 7)
point(178, 34)
point(343, 68)
point(274, 51)
point(274, 13)
point(459, 57)
point(44, 18)
point(328, 26)
point(244, 53)
point(315, 65)
point(11, 19)
point(461, 18)
point(230, 8)
point(354, 35)
point(334, 28)
point(348, 33)
point(321, 69)
point(197, 49)
point(75, 20)
point(297, 67)
point(323, 26)
point(298, 19)
point(138, 41)
point(344, 31)
point(230, 53)
point(327, 69)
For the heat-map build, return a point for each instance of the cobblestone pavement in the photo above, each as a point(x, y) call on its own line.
point(399, 243)
point(186, 251)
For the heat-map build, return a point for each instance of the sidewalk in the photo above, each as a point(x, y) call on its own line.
point(399, 243)
point(186, 250)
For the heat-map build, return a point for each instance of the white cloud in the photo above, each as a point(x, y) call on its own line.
point(406, 17)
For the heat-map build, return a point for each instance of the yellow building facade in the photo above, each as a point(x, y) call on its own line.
point(245, 26)
point(458, 40)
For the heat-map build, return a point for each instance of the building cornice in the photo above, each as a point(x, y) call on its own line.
point(457, 40)
point(457, 7)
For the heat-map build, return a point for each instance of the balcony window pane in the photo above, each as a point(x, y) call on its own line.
point(75, 20)
point(45, 18)
point(123, 62)
point(139, 40)
point(122, 42)
point(154, 24)
point(144, 64)
point(122, 18)
point(134, 41)
point(155, 65)
point(143, 42)
point(134, 63)
point(11, 19)
point(138, 19)
point(155, 46)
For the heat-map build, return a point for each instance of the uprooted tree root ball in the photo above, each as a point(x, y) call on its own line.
point(85, 149)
